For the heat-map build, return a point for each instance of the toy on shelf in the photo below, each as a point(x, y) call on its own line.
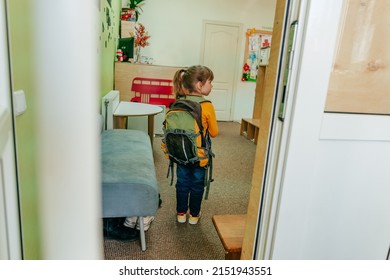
point(119, 55)
point(128, 14)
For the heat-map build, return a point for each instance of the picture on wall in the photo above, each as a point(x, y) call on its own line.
point(258, 43)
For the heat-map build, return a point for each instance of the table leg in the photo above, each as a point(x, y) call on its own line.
point(121, 122)
point(151, 128)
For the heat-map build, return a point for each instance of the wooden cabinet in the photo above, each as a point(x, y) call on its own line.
point(125, 72)
point(250, 126)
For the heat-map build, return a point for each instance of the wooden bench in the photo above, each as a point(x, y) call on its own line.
point(230, 229)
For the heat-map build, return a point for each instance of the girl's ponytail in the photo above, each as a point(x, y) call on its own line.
point(178, 83)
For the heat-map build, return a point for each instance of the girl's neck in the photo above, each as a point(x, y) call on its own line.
point(195, 94)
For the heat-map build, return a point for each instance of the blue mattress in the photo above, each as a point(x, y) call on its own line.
point(128, 174)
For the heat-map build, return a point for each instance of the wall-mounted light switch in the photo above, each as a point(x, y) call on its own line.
point(19, 100)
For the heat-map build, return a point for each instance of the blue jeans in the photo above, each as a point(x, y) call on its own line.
point(189, 189)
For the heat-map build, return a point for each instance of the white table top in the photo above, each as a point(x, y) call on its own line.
point(126, 108)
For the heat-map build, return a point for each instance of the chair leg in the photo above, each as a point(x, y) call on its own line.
point(142, 233)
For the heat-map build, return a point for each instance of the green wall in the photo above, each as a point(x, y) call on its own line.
point(108, 43)
point(22, 60)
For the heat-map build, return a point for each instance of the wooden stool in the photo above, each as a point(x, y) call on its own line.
point(230, 229)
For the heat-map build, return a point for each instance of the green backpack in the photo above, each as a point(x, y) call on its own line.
point(184, 141)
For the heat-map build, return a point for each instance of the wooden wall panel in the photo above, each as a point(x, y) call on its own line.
point(359, 81)
point(259, 94)
point(261, 149)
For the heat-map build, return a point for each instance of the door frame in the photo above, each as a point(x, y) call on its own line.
point(8, 165)
point(250, 239)
point(237, 56)
point(295, 12)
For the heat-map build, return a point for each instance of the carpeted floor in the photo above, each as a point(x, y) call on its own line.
point(168, 240)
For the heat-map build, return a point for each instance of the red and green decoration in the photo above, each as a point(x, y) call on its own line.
point(246, 73)
point(141, 36)
point(136, 6)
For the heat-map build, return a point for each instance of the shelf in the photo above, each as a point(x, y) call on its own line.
point(250, 129)
point(250, 126)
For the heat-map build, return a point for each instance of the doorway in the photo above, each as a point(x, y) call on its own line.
point(220, 52)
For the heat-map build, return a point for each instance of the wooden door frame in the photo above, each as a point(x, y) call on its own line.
point(269, 86)
point(237, 57)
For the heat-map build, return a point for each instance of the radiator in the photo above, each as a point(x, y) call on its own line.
point(109, 103)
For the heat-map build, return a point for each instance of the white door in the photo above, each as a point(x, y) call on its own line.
point(220, 52)
point(329, 196)
point(10, 237)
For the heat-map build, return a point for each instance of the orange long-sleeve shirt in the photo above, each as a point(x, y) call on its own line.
point(209, 119)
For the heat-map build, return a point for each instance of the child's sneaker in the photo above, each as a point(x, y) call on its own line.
point(181, 217)
point(133, 222)
point(193, 220)
point(147, 222)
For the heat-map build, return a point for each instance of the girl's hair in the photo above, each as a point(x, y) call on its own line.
point(185, 80)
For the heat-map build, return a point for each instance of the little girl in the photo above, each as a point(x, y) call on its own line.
point(193, 84)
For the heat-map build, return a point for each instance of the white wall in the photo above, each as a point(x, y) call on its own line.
point(175, 27)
